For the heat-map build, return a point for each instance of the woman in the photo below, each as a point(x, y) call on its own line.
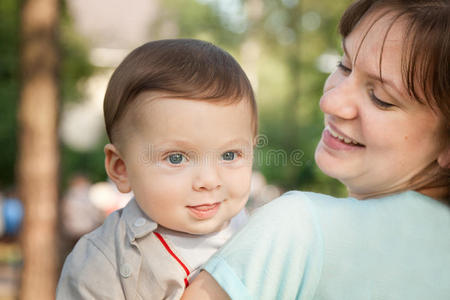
point(387, 138)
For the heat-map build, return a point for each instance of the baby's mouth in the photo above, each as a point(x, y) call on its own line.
point(205, 211)
point(205, 207)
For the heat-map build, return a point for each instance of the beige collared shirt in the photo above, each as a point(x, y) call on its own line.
point(129, 257)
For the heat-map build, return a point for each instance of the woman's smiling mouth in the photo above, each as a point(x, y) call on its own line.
point(337, 141)
point(344, 139)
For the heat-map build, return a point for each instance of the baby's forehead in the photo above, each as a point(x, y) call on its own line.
point(149, 97)
point(207, 124)
point(147, 101)
point(150, 112)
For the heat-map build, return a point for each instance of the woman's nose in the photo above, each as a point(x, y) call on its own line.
point(340, 97)
point(206, 177)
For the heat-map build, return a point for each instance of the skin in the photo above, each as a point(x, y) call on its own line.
point(383, 160)
point(378, 114)
point(204, 287)
point(188, 162)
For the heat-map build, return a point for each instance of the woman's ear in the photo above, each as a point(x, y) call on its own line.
point(444, 159)
point(116, 169)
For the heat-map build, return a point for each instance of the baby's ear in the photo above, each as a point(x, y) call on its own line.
point(116, 169)
point(444, 158)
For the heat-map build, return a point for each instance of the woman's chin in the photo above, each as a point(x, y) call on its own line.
point(344, 170)
point(328, 164)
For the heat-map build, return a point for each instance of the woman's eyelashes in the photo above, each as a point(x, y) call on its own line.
point(377, 101)
point(343, 68)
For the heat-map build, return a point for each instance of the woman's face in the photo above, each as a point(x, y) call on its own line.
point(376, 137)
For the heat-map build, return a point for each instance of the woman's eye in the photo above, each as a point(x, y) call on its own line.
point(378, 102)
point(176, 158)
point(229, 155)
point(344, 69)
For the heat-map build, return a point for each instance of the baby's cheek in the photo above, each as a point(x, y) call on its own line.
point(159, 194)
point(238, 182)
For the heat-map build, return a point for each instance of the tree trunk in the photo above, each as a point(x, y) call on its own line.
point(37, 167)
point(250, 49)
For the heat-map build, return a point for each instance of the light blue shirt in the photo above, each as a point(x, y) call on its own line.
point(313, 246)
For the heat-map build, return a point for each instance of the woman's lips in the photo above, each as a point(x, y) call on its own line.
point(344, 138)
point(337, 144)
point(204, 211)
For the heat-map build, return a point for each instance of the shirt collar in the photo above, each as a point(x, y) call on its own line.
point(137, 222)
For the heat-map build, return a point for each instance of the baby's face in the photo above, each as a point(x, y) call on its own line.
point(189, 162)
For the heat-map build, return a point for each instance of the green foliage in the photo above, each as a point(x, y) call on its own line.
point(90, 163)
point(197, 20)
point(74, 68)
point(9, 88)
point(289, 82)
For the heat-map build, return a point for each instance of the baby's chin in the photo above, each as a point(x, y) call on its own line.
point(202, 229)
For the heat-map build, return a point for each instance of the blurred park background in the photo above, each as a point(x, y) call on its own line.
point(55, 61)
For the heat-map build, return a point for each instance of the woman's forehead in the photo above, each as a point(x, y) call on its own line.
point(377, 33)
point(375, 47)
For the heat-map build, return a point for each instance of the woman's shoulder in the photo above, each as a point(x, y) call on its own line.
point(408, 207)
point(406, 199)
point(292, 203)
point(296, 205)
point(307, 201)
point(292, 215)
point(296, 197)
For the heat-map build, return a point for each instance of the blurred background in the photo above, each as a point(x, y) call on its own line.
point(287, 48)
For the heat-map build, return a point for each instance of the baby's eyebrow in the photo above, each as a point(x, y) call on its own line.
point(184, 144)
point(238, 141)
point(176, 143)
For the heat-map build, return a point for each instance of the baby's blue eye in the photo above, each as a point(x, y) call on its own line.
point(228, 155)
point(176, 158)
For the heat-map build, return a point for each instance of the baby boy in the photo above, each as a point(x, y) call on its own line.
point(181, 119)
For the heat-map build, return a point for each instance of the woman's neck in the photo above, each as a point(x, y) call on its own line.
point(441, 193)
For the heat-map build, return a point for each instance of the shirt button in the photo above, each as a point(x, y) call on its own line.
point(125, 270)
point(140, 222)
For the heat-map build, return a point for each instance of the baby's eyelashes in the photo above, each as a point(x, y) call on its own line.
point(231, 155)
point(179, 158)
point(176, 158)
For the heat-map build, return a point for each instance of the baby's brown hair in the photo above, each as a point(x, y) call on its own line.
point(178, 68)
